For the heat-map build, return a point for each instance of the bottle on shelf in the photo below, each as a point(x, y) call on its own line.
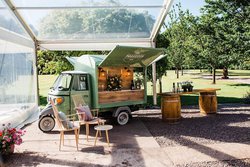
point(178, 87)
point(132, 85)
point(173, 88)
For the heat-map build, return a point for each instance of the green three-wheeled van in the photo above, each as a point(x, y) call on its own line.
point(114, 83)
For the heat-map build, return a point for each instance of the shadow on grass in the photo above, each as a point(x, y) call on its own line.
point(240, 84)
point(218, 72)
point(194, 100)
point(233, 73)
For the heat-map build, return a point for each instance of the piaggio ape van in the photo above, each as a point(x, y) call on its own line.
point(109, 83)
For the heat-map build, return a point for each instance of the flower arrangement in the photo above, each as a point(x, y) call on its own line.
point(187, 86)
point(114, 83)
point(9, 137)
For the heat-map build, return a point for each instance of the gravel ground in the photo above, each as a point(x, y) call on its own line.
point(230, 124)
point(236, 163)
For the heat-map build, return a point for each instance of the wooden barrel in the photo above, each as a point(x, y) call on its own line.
point(208, 102)
point(171, 108)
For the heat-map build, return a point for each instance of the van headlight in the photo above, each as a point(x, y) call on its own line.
point(58, 100)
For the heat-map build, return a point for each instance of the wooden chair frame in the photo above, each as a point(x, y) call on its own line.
point(62, 129)
point(78, 101)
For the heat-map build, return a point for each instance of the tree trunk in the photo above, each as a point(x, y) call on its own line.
point(177, 72)
point(211, 70)
point(225, 73)
point(181, 71)
point(160, 85)
point(214, 71)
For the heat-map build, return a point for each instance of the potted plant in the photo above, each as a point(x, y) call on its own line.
point(187, 86)
point(9, 137)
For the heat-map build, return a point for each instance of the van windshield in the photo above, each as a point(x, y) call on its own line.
point(62, 82)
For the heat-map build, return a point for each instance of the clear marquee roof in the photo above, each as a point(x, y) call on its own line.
point(86, 24)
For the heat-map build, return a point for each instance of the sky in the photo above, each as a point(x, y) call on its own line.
point(192, 5)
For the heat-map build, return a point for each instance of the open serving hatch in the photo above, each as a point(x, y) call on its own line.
point(129, 56)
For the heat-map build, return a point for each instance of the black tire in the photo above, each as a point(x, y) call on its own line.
point(46, 123)
point(122, 118)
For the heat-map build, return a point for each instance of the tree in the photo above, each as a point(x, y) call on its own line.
point(223, 33)
point(178, 33)
point(96, 23)
point(162, 65)
point(90, 24)
point(54, 62)
point(11, 25)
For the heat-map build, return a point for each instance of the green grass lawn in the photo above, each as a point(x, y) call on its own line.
point(231, 91)
point(45, 82)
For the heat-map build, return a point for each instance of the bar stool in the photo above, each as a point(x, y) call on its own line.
point(105, 128)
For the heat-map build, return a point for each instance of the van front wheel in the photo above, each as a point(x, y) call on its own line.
point(46, 123)
point(122, 118)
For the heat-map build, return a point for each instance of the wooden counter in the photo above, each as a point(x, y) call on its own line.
point(171, 104)
point(120, 96)
point(195, 91)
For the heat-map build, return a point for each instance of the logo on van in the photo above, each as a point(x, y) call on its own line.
point(133, 57)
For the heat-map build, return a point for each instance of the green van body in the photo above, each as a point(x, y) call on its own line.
point(84, 81)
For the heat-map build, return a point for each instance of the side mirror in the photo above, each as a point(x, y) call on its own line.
point(61, 88)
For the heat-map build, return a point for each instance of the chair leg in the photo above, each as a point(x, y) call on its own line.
point(61, 134)
point(107, 136)
point(63, 137)
point(87, 131)
point(96, 135)
point(79, 131)
point(100, 133)
point(76, 137)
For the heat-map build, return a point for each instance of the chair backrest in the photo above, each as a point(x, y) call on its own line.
point(56, 114)
point(78, 100)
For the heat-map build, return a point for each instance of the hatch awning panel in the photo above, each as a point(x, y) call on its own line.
point(126, 56)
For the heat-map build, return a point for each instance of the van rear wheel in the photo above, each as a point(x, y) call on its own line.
point(46, 123)
point(122, 118)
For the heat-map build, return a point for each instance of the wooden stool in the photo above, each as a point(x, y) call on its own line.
point(105, 128)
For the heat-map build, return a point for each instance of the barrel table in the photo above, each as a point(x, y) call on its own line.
point(208, 102)
point(171, 103)
point(171, 108)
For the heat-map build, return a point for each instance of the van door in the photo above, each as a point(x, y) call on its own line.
point(80, 85)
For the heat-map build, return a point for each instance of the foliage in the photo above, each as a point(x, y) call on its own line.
point(219, 38)
point(10, 136)
point(246, 65)
point(11, 25)
point(222, 33)
point(54, 62)
point(186, 83)
point(87, 23)
point(178, 33)
point(162, 65)
point(114, 83)
point(231, 92)
point(186, 86)
point(161, 68)
point(246, 98)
